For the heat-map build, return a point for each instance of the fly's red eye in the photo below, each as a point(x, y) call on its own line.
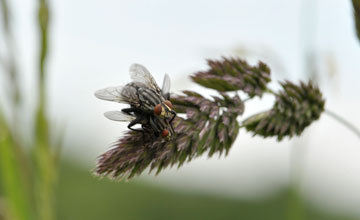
point(165, 133)
point(158, 109)
point(168, 103)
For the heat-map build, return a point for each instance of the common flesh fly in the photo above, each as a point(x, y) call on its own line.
point(149, 105)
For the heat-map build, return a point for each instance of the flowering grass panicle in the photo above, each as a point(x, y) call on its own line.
point(205, 129)
point(234, 74)
point(295, 108)
point(210, 125)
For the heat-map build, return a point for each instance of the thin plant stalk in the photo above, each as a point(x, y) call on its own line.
point(14, 165)
point(343, 121)
point(44, 158)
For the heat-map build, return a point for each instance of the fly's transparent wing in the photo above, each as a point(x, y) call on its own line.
point(119, 116)
point(123, 94)
point(139, 73)
point(111, 94)
point(166, 86)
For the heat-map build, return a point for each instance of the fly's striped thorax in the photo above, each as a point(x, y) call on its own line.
point(149, 98)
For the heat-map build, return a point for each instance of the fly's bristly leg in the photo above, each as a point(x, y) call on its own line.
point(174, 115)
point(151, 135)
point(134, 122)
point(130, 110)
point(154, 125)
point(172, 128)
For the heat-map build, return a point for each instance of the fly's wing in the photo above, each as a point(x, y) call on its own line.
point(166, 87)
point(119, 116)
point(111, 94)
point(139, 73)
point(122, 94)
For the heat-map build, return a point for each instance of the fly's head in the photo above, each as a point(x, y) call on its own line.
point(167, 133)
point(166, 129)
point(164, 110)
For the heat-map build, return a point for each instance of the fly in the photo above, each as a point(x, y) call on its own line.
point(149, 105)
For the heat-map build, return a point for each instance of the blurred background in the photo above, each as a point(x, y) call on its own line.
point(55, 54)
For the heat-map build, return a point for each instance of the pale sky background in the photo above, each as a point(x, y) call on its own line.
point(94, 42)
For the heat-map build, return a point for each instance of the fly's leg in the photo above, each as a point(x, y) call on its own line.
point(172, 128)
point(137, 120)
point(174, 115)
point(131, 110)
point(154, 126)
point(171, 120)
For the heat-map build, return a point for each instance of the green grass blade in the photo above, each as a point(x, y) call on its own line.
point(44, 155)
point(356, 5)
point(17, 198)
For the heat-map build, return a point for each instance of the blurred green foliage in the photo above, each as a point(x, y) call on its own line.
point(81, 196)
point(27, 177)
point(356, 6)
point(11, 176)
point(43, 151)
